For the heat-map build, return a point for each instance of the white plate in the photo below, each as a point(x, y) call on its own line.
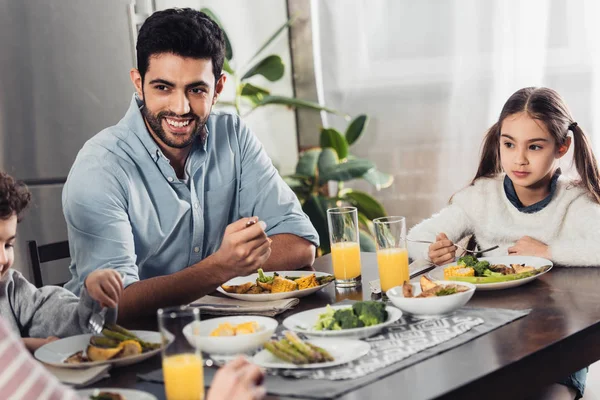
point(129, 394)
point(306, 320)
point(229, 345)
point(54, 353)
point(342, 350)
point(537, 262)
point(430, 306)
point(240, 280)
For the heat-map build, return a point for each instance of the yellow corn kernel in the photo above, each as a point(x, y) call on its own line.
point(457, 270)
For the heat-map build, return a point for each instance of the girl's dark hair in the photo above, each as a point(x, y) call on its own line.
point(184, 32)
point(545, 105)
point(14, 197)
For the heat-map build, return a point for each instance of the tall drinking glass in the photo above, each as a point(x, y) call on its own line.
point(182, 363)
point(392, 254)
point(345, 247)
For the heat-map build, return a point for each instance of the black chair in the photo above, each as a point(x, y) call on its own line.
point(43, 254)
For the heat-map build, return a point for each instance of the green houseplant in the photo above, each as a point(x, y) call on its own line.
point(317, 167)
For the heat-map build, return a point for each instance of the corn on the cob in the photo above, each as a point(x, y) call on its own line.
point(458, 270)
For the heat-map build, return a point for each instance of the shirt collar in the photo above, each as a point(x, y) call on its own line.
point(511, 194)
point(134, 120)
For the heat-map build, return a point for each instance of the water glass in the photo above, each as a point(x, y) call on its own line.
point(345, 245)
point(392, 254)
point(181, 360)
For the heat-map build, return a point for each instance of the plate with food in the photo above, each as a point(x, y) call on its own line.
point(493, 273)
point(114, 394)
point(116, 346)
point(356, 321)
point(231, 335)
point(431, 298)
point(291, 352)
point(275, 285)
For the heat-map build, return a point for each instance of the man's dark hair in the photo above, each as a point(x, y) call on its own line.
point(184, 32)
point(14, 196)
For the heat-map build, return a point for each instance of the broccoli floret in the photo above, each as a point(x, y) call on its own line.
point(327, 322)
point(481, 267)
point(346, 319)
point(370, 312)
point(263, 278)
point(467, 261)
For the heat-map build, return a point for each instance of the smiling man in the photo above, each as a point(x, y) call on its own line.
point(168, 195)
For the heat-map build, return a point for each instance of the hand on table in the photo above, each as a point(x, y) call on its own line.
point(238, 379)
point(32, 344)
point(442, 251)
point(244, 248)
point(527, 246)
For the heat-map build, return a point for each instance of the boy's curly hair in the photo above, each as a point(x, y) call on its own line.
point(14, 196)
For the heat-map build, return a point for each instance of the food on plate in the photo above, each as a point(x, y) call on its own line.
point(277, 284)
point(470, 269)
point(107, 396)
point(361, 314)
point(117, 342)
point(294, 350)
point(432, 289)
point(226, 329)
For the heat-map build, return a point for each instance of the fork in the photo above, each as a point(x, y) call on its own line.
point(96, 322)
point(457, 245)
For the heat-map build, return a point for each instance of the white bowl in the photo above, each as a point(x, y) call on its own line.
point(230, 345)
point(305, 321)
point(430, 305)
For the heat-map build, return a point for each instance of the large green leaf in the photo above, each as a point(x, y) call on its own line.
point(227, 68)
point(307, 163)
point(367, 243)
point(292, 102)
point(364, 202)
point(351, 169)
point(249, 89)
point(270, 67)
point(365, 222)
point(272, 38)
point(316, 209)
point(379, 179)
point(327, 160)
point(333, 138)
point(356, 128)
point(228, 49)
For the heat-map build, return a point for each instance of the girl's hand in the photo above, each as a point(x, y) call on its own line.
point(32, 344)
point(442, 251)
point(105, 286)
point(527, 246)
point(238, 379)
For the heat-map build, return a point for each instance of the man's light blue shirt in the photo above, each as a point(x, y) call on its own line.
point(126, 209)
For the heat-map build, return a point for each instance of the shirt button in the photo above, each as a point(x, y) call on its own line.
point(170, 179)
point(196, 205)
point(196, 249)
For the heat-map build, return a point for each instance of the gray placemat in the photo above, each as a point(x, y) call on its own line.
point(325, 388)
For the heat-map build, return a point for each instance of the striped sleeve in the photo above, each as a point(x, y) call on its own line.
point(22, 377)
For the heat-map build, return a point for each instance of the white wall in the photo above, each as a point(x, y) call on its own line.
point(249, 24)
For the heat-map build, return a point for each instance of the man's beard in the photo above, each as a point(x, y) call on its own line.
point(154, 121)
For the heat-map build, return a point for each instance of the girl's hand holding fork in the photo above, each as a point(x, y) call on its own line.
point(442, 251)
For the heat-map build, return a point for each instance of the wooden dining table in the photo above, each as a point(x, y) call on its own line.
point(560, 335)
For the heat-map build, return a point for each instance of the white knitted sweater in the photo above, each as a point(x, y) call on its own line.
point(569, 224)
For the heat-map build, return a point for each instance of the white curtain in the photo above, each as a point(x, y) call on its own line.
point(433, 76)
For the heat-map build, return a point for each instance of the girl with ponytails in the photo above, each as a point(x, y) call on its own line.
point(519, 201)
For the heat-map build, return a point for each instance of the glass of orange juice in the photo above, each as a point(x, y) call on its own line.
point(392, 254)
point(181, 361)
point(345, 246)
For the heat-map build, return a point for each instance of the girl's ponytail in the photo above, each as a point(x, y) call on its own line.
point(585, 162)
point(489, 164)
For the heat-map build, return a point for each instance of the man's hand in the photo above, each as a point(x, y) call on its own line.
point(527, 246)
point(442, 251)
point(244, 248)
point(238, 379)
point(105, 286)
